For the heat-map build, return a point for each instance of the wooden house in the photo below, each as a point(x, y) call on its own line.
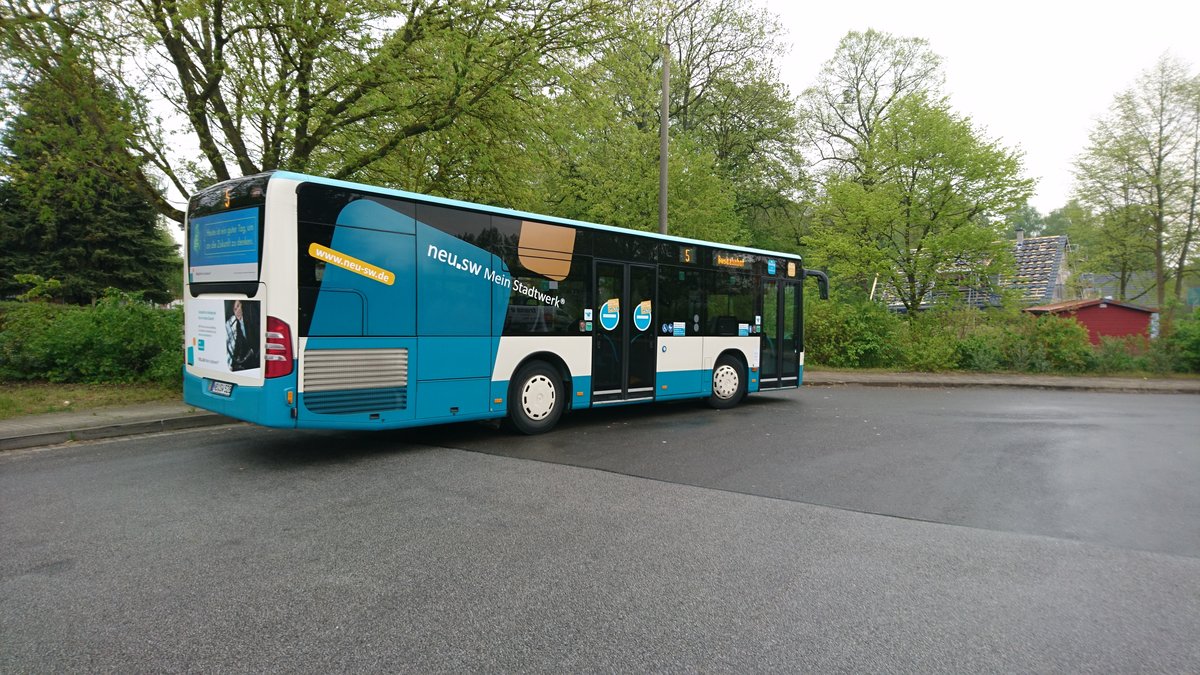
point(1102, 317)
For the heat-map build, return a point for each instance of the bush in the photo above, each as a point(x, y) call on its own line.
point(1047, 343)
point(1120, 354)
point(863, 334)
point(1185, 343)
point(982, 351)
point(121, 339)
point(25, 349)
point(931, 344)
point(851, 335)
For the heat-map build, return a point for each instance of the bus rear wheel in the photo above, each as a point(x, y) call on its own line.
point(535, 398)
point(728, 383)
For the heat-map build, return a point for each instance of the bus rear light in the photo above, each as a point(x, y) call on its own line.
point(279, 348)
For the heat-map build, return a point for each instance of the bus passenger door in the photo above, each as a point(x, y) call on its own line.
point(624, 338)
point(780, 334)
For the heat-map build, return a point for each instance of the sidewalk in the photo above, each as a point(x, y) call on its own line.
point(1059, 382)
point(53, 428)
point(86, 425)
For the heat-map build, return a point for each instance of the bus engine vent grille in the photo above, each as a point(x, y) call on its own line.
point(355, 380)
point(364, 400)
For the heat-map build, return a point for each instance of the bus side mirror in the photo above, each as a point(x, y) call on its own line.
point(822, 282)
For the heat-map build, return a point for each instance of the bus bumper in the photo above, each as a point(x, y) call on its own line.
point(266, 405)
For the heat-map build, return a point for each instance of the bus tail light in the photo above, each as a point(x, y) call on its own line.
point(279, 348)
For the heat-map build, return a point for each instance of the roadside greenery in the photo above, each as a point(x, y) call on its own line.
point(18, 399)
point(555, 108)
point(123, 350)
point(122, 339)
point(862, 334)
point(65, 211)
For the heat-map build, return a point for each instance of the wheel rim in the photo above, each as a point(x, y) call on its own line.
point(538, 397)
point(725, 381)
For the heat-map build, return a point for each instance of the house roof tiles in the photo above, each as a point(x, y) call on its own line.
point(1039, 260)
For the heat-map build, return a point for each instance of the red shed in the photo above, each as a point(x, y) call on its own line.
point(1102, 317)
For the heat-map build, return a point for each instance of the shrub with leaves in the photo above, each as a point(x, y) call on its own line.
point(26, 350)
point(936, 339)
point(1120, 354)
point(851, 335)
point(1185, 343)
point(121, 339)
point(1047, 344)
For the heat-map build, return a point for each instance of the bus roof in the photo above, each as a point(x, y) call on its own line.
point(519, 214)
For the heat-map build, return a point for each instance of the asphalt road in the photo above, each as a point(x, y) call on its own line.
point(699, 544)
point(1120, 469)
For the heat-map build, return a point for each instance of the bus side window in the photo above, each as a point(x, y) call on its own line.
point(731, 300)
point(680, 300)
point(546, 307)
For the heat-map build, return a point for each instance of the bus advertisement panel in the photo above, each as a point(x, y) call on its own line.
point(224, 336)
point(224, 247)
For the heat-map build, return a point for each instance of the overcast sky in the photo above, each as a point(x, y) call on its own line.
point(1035, 75)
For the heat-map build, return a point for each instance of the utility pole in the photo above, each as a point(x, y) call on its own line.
point(664, 120)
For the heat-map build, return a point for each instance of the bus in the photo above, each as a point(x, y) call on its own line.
point(319, 303)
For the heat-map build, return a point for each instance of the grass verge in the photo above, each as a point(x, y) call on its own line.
point(35, 398)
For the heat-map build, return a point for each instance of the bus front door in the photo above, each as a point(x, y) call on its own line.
point(623, 335)
point(780, 334)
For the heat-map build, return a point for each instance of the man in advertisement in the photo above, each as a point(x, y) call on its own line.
point(241, 335)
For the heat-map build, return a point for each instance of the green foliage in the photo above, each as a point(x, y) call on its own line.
point(121, 339)
point(1120, 354)
point(732, 163)
point(39, 289)
point(1140, 175)
point(1025, 217)
point(65, 213)
point(332, 88)
point(852, 335)
point(1185, 342)
point(856, 90)
point(919, 216)
point(1046, 344)
point(964, 338)
point(981, 351)
point(860, 334)
point(934, 337)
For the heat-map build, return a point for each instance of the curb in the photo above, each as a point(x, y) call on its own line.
point(114, 430)
point(1158, 387)
point(200, 419)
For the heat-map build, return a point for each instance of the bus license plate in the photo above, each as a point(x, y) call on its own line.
point(221, 388)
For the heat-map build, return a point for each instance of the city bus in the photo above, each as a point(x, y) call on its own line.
point(318, 303)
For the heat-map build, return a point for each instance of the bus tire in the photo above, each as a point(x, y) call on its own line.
point(535, 398)
point(728, 383)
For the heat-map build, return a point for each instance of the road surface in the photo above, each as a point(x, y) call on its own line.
point(843, 529)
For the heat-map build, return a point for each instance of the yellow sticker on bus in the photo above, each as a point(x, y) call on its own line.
point(352, 264)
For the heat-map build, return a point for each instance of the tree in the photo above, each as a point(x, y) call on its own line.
point(603, 165)
point(1187, 263)
point(54, 48)
point(928, 213)
point(1060, 221)
point(63, 215)
point(1025, 218)
point(1140, 168)
point(856, 91)
point(1113, 243)
point(333, 87)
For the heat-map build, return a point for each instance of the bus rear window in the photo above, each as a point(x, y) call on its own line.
point(224, 247)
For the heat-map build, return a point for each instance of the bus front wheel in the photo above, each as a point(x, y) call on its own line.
point(535, 398)
point(728, 383)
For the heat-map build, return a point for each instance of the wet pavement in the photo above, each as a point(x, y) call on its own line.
point(54, 428)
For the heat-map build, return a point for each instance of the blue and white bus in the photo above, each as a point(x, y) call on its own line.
point(316, 303)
